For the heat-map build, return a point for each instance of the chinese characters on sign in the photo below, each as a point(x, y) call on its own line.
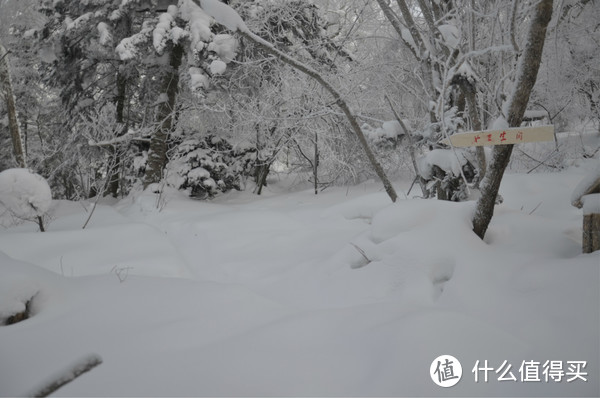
point(519, 135)
point(497, 137)
point(533, 371)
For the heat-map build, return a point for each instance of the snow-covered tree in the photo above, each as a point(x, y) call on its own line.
point(465, 55)
point(17, 79)
point(515, 107)
point(77, 47)
point(568, 88)
point(268, 102)
point(184, 42)
point(6, 92)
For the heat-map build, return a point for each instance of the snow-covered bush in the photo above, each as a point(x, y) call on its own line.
point(209, 166)
point(23, 196)
point(443, 170)
point(387, 136)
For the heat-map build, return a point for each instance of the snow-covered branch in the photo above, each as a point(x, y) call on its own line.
point(84, 365)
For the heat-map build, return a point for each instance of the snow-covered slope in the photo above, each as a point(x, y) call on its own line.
point(294, 294)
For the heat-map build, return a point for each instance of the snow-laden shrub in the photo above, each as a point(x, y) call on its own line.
point(387, 136)
point(209, 166)
point(443, 171)
point(23, 196)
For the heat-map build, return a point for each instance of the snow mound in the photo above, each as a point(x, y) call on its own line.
point(591, 204)
point(588, 184)
point(24, 194)
point(363, 208)
point(21, 282)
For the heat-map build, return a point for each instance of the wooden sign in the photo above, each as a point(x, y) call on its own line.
point(517, 135)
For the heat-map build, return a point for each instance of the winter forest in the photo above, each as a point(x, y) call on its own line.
point(299, 197)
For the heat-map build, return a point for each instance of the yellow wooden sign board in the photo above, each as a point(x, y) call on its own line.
point(517, 135)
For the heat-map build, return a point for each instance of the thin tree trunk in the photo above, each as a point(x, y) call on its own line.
point(468, 89)
point(157, 156)
point(262, 172)
point(13, 124)
point(411, 150)
point(114, 177)
point(316, 164)
point(426, 64)
point(526, 77)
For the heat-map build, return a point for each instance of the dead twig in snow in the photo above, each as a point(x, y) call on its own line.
point(535, 208)
point(362, 252)
point(83, 365)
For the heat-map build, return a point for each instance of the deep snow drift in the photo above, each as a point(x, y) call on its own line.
point(293, 294)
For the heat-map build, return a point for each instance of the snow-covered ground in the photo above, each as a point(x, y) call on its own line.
point(292, 294)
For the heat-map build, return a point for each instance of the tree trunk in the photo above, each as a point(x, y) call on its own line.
point(316, 164)
point(40, 222)
point(157, 156)
point(262, 172)
point(468, 90)
point(591, 233)
point(13, 124)
point(120, 100)
point(426, 65)
point(411, 150)
point(526, 77)
point(114, 176)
